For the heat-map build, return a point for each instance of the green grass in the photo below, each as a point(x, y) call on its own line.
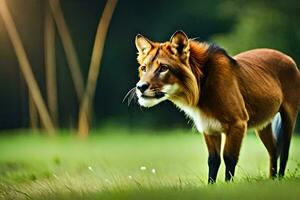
point(108, 166)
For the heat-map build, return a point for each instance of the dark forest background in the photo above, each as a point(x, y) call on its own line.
point(235, 25)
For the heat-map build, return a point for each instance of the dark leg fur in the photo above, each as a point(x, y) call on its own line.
point(230, 162)
point(288, 124)
point(233, 142)
point(213, 143)
point(214, 162)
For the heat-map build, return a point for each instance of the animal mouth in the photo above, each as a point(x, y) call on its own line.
point(157, 95)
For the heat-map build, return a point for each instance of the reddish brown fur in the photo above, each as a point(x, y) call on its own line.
point(242, 92)
point(249, 92)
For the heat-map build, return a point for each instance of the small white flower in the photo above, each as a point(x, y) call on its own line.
point(55, 176)
point(130, 177)
point(153, 171)
point(90, 168)
point(143, 168)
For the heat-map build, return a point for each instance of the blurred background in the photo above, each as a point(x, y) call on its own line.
point(58, 39)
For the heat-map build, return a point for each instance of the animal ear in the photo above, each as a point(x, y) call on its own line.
point(142, 44)
point(179, 43)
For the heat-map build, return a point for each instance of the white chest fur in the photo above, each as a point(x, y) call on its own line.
point(202, 122)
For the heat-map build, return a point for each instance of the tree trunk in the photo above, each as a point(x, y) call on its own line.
point(33, 115)
point(49, 43)
point(94, 68)
point(69, 48)
point(25, 67)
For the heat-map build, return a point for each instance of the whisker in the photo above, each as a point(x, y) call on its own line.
point(141, 108)
point(135, 98)
point(194, 39)
point(131, 96)
point(128, 94)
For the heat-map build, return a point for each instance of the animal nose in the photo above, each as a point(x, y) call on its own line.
point(142, 86)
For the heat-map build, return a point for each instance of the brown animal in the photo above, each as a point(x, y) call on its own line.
point(224, 94)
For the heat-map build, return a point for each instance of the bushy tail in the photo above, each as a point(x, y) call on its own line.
point(278, 132)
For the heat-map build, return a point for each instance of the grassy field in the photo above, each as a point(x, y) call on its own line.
point(140, 166)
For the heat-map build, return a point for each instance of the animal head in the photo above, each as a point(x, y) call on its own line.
point(165, 71)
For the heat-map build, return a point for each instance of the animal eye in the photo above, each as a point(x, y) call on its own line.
point(143, 68)
point(163, 68)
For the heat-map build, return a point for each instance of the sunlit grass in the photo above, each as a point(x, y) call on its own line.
point(118, 164)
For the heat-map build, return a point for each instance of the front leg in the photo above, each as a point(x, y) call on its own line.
point(213, 142)
point(234, 137)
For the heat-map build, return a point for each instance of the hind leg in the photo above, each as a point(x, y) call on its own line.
point(269, 141)
point(288, 123)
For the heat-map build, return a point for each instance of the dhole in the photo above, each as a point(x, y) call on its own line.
point(257, 89)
